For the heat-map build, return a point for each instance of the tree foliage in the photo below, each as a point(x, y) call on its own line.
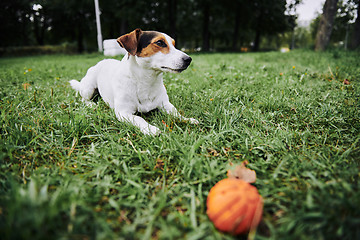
point(346, 25)
point(220, 25)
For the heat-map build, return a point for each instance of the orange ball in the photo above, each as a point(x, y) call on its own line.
point(234, 206)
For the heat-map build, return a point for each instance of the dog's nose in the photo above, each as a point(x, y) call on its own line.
point(187, 60)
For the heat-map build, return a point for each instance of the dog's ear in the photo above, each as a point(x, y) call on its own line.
point(130, 41)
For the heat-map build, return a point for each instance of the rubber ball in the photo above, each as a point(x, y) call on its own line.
point(234, 206)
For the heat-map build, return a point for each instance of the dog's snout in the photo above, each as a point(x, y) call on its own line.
point(187, 60)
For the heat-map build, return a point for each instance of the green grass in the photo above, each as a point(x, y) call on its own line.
point(73, 172)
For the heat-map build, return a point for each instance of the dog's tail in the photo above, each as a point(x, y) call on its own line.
point(75, 84)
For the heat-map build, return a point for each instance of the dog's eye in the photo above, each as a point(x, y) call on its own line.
point(160, 43)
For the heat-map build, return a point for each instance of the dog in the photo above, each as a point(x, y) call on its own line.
point(135, 84)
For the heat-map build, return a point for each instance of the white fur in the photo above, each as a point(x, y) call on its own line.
point(134, 84)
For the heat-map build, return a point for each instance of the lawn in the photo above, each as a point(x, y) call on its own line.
point(69, 171)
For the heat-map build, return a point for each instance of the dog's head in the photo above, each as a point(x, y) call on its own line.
point(154, 50)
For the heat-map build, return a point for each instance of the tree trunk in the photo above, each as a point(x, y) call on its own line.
point(259, 16)
point(236, 29)
point(326, 25)
point(80, 39)
point(39, 29)
point(36, 30)
point(172, 18)
point(24, 34)
point(124, 26)
point(256, 46)
point(355, 40)
point(206, 34)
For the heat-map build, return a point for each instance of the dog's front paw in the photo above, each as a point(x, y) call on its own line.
point(151, 130)
point(88, 103)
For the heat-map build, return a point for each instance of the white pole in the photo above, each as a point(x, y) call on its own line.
point(98, 25)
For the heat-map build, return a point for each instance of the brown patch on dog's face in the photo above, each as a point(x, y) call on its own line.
point(152, 42)
point(145, 43)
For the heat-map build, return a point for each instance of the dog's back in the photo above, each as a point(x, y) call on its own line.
point(101, 72)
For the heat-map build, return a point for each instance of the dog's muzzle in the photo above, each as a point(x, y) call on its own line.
point(185, 63)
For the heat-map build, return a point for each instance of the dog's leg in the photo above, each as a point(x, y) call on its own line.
point(170, 109)
point(137, 121)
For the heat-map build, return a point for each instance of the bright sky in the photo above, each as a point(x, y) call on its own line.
point(308, 9)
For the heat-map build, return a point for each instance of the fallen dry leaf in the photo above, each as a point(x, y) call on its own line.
point(242, 172)
point(212, 152)
point(26, 85)
point(346, 82)
point(159, 164)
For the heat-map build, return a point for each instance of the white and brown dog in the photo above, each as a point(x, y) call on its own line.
point(135, 83)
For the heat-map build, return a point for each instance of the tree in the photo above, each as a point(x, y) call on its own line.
point(40, 20)
point(326, 25)
point(220, 25)
point(240, 18)
point(269, 19)
point(344, 18)
point(72, 21)
point(291, 11)
point(355, 40)
point(16, 25)
point(172, 6)
point(205, 27)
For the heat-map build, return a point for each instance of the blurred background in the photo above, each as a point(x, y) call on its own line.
point(31, 26)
